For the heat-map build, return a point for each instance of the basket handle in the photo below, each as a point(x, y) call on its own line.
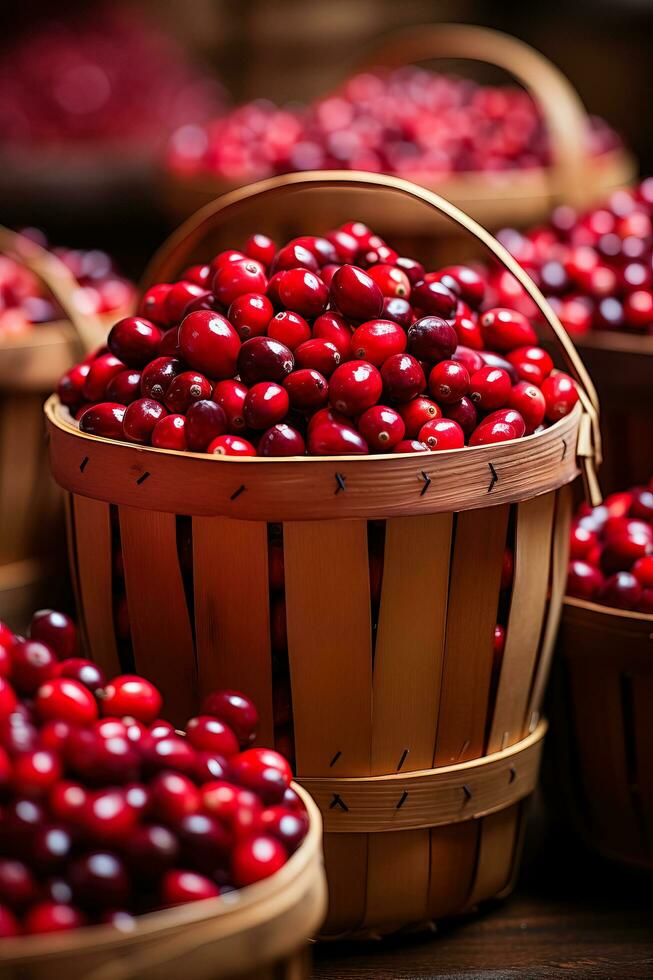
point(174, 255)
point(60, 282)
point(562, 110)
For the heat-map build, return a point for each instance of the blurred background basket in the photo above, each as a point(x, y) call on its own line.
point(405, 842)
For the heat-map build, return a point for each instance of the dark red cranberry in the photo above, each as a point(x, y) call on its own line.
point(412, 268)
point(288, 826)
point(8, 923)
point(431, 339)
point(403, 377)
point(108, 816)
point(134, 341)
point(335, 439)
point(99, 880)
point(140, 418)
point(621, 590)
point(355, 294)
point(434, 299)
point(158, 375)
point(124, 387)
point(464, 281)
point(104, 419)
point(33, 663)
point(178, 887)
point(100, 760)
point(173, 796)
point(264, 359)
point(583, 580)
point(17, 885)
point(399, 311)
point(151, 850)
point(52, 845)
point(173, 752)
point(102, 370)
point(170, 433)
point(133, 696)
point(464, 413)
point(184, 389)
point(210, 734)
point(209, 344)
point(235, 710)
point(281, 440)
point(204, 421)
point(70, 388)
point(205, 842)
point(307, 389)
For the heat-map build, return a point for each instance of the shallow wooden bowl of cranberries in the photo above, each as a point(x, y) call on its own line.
point(325, 346)
point(107, 811)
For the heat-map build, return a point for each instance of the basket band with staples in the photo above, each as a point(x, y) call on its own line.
point(431, 797)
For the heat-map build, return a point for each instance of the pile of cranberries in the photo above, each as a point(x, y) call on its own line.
point(410, 122)
point(611, 552)
point(106, 811)
point(328, 346)
point(24, 303)
point(108, 75)
point(596, 268)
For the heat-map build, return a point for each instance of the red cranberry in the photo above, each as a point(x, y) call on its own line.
point(354, 387)
point(35, 773)
point(158, 375)
point(107, 816)
point(264, 359)
point(170, 433)
point(346, 245)
point(209, 344)
point(434, 298)
point(266, 404)
point(287, 826)
point(431, 339)
point(336, 439)
point(102, 370)
point(318, 355)
point(229, 445)
point(250, 314)
point(621, 590)
point(529, 401)
point(582, 540)
point(8, 923)
point(471, 359)
point(223, 259)
point(173, 796)
point(334, 328)
point(493, 360)
point(178, 887)
point(355, 294)
point(140, 418)
point(204, 421)
point(21, 819)
point(200, 275)
point(376, 340)
point(642, 503)
point(66, 699)
point(413, 269)
point(449, 382)
point(209, 734)
point(491, 432)
point(560, 396)
point(151, 850)
point(620, 552)
point(153, 304)
point(97, 760)
point(125, 387)
point(294, 256)
point(181, 295)
point(464, 282)
point(7, 699)
point(256, 858)
point(33, 663)
point(261, 248)
point(509, 415)
point(416, 412)
point(205, 842)
point(99, 880)
point(230, 396)
point(131, 695)
point(237, 808)
point(17, 885)
point(643, 571)
point(638, 309)
point(263, 771)
point(235, 710)
point(210, 765)
point(440, 434)
point(411, 446)
point(303, 291)
point(532, 363)
point(134, 341)
point(320, 248)
point(48, 917)
point(403, 377)
point(468, 330)
point(381, 427)
point(237, 278)
point(104, 420)
point(289, 328)
point(504, 329)
point(392, 281)
point(184, 389)
point(70, 388)
point(307, 389)
point(281, 440)
point(490, 388)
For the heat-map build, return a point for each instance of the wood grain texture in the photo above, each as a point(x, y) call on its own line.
point(497, 841)
point(21, 453)
point(94, 564)
point(158, 614)
point(232, 611)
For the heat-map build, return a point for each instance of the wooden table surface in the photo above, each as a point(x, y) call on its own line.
point(572, 915)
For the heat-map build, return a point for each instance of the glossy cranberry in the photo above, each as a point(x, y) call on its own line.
point(642, 503)
point(398, 310)
point(266, 404)
point(355, 294)
point(335, 439)
point(326, 415)
point(449, 382)
point(256, 858)
point(134, 341)
point(205, 420)
point(34, 773)
point(8, 923)
point(170, 433)
point(99, 880)
point(125, 387)
point(209, 734)
point(376, 340)
point(463, 281)
point(582, 540)
point(464, 413)
point(104, 419)
point(250, 315)
point(621, 590)
point(102, 370)
point(391, 280)
point(209, 344)
point(158, 375)
point(529, 401)
point(225, 258)
point(441, 434)
point(151, 850)
point(471, 359)
point(184, 389)
point(403, 377)
point(263, 771)
point(303, 291)
point(153, 304)
point(505, 330)
point(321, 248)
point(237, 278)
point(210, 765)
point(281, 440)
point(345, 244)
point(491, 432)
point(5, 659)
point(354, 387)
point(230, 396)
point(108, 817)
point(289, 827)
point(17, 885)
point(182, 295)
point(131, 695)
point(413, 269)
point(264, 359)
point(205, 842)
point(643, 571)
point(411, 446)
point(261, 248)
point(307, 389)
point(66, 699)
point(230, 445)
point(198, 274)
point(381, 427)
point(294, 256)
point(140, 418)
point(289, 328)
point(318, 355)
point(33, 663)
point(532, 363)
point(334, 328)
point(179, 886)
point(416, 412)
point(235, 710)
point(173, 796)
point(173, 752)
point(434, 299)
point(70, 388)
point(620, 552)
point(238, 809)
point(467, 329)
point(560, 396)
point(490, 388)
point(100, 760)
point(431, 339)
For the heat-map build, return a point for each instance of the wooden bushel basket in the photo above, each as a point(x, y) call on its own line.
point(405, 842)
point(31, 523)
point(518, 197)
point(257, 933)
point(603, 736)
